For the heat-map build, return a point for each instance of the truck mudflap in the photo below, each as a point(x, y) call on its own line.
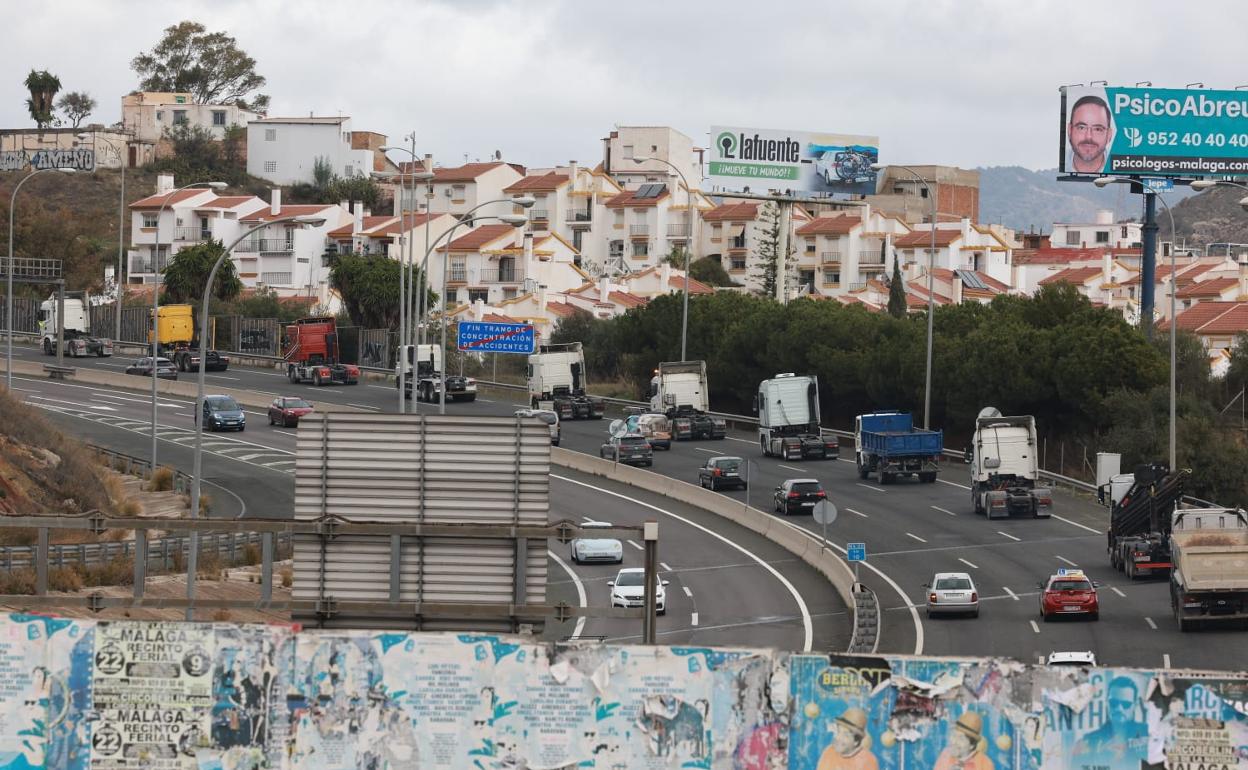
point(997, 504)
point(1044, 502)
point(682, 428)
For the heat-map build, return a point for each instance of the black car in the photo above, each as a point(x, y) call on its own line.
point(223, 413)
point(632, 449)
point(720, 472)
point(798, 496)
point(165, 370)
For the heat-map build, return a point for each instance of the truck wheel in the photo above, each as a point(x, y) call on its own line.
point(863, 471)
point(290, 374)
point(471, 398)
point(1185, 625)
point(927, 478)
point(762, 444)
point(47, 347)
point(975, 503)
point(316, 380)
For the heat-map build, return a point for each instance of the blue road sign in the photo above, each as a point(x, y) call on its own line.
point(482, 337)
point(856, 552)
point(1157, 184)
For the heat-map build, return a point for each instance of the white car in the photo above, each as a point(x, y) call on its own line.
point(591, 549)
point(1087, 658)
point(629, 590)
point(548, 416)
point(952, 592)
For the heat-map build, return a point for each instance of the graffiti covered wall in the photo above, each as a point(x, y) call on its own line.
point(82, 695)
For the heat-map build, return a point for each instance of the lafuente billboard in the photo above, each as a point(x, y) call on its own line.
point(792, 160)
point(1153, 131)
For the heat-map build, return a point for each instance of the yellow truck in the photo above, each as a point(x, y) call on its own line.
point(178, 340)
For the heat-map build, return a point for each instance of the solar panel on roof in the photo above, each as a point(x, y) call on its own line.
point(646, 191)
point(972, 279)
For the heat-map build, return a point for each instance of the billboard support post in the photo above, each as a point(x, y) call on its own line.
point(1148, 265)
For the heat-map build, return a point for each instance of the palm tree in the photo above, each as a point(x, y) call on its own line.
point(43, 86)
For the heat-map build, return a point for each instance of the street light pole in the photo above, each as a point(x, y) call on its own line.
point(693, 225)
point(156, 299)
point(121, 228)
point(931, 294)
point(8, 305)
point(197, 462)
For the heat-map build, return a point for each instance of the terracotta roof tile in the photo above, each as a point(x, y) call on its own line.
point(923, 238)
point(227, 202)
point(167, 199)
point(539, 183)
point(1233, 321)
point(632, 300)
point(1213, 287)
point(695, 286)
point(732, 212)
point(1200, 314)
point(478, 238)
point(266, 214)
point(1055, 256)
point(561, 309)
point(1074, 275)
point(841, 224)
point(368, 224)
point(465, 173)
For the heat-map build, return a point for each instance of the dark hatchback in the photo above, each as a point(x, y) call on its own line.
point(165, 370)
point(632, 449)
point(720, 472)
point(798, 496)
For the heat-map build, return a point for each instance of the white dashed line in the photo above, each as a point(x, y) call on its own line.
point(1077, 524)
point(365, 406)
point(1007, 534)
point(952, 484)
point(635, 545)
point(1034, 627)
point(858, 513)
point(1064, 560)
point(1151, 623)
point(1013, 595)
point(688, 592)
point(702, 449)
point(873, 489)
point(943, 510)
point(1165, 660)
point(791, 468)
point(969, 564)
point(285, 432)
point(666, 568)
point(916, 537)
point(1115, 590)
point(693, 621)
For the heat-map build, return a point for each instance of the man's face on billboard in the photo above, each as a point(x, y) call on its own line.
point(1089, 133)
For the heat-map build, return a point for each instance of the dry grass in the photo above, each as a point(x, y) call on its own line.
point(288, 577)
point(162, 480)
point(130, 507)
point(17, 581)
point(221, 616)
point(205, 504)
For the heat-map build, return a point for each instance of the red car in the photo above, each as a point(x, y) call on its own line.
point(1069, 592)
point(286, 411)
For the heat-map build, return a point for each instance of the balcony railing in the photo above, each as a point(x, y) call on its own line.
point(265, 244)
point(832, 257)
point(191, 234)
point(146, 265)
point(536, 214)
point(736, 243)
point(639, 231)
point(678, 230)
point(275, 279)
point(500, 275)
point(855, 286)
point(870, 258)
point(457, 275)
point(579, 217)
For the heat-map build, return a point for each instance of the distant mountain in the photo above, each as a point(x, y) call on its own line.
point(1213, 216)
point(1029, 200)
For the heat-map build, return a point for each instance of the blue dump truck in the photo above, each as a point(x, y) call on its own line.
point(889, 446)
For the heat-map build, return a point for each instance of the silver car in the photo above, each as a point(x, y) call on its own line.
point(548, 416)
point(952, 592)
point(597, 549)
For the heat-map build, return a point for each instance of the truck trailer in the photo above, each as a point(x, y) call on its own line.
point(556, 374)
point(310, 350)
point(888, 445)
point(788, 419)
point(78, 339)
point(1209, 579)
point(1141, 505)
point(1005, 469)
point(679, 390)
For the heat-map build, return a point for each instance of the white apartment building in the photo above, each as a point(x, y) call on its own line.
point(642, 226)
point(148, 114)
point(286, 257)
point(496, 263)
point(732, 232)
point(1104, 232)
point(840, 252)
point(959, 246)
point(625, 143)
point(367, 234)
point(459, 189)
point(285, 150)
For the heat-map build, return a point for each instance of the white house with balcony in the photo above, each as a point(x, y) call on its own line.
point(147, 115)
point(497, 262)
point(576, 209)
point(1103, 233)
point(287, 257)
point(456, 190)
point(285, 150)
point(368, 234)
point(640, 227)
point(622, 146)
point(959, 246)
point(839, 252)
point(732, 232)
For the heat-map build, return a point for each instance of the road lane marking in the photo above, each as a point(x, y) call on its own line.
point(636, 545)
point(1064, 560)
point(1013, 595)
point(701, 449)
point(285, 432)
point(1034, 627)
point(1007, 534)
point(873, 489)
point(693, 621)
point(791, 468)
point(1115, 590)
point(1077, 524)
point(944, 510)
point(952, 484)
point(858, 513)
point(221, 376)
point(743, 441)
point(580, 591)
point(688, 592)
point(666, 568)
point(363, 406)
point(1165, 660)
point(1151, 623)
point(808, 630)
point(916, 537)
point(967, 563)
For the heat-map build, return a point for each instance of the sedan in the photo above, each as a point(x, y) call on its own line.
point(721, 472)
point(798, 496)
point(629, 590)
point(952, 592)
point(588, 548)
point(630, 449)
point(1078, 658)
point(1069, 592)
point(286, 411)
point(223, 413)
point(165, 370)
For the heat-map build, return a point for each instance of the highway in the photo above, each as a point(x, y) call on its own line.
point(718, 573)
point(912, 531)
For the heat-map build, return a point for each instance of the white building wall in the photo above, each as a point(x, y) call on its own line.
point(149, 115)
point(285, 152)
point(652, 142)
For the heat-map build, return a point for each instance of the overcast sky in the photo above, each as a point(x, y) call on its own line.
point(953, 82)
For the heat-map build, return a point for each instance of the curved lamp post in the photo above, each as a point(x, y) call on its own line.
point(931, 292)
point(1174, 289)
point(199, 395)
point(156, 296)
point(121, 225)
point(693, 230)
point(8, 305)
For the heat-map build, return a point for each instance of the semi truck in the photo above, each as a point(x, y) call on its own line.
point(1005, 479)
point(1141, 505)
point(310, 351)
point(421, 366)
point(557, 374)
point(1209, 579)
point(78, 339)
point(787, 406)
point(178, 339)
point(888, 445)
point(680, 391)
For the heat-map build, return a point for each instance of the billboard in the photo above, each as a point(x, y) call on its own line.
point(792, 160)
point(1153, 131)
